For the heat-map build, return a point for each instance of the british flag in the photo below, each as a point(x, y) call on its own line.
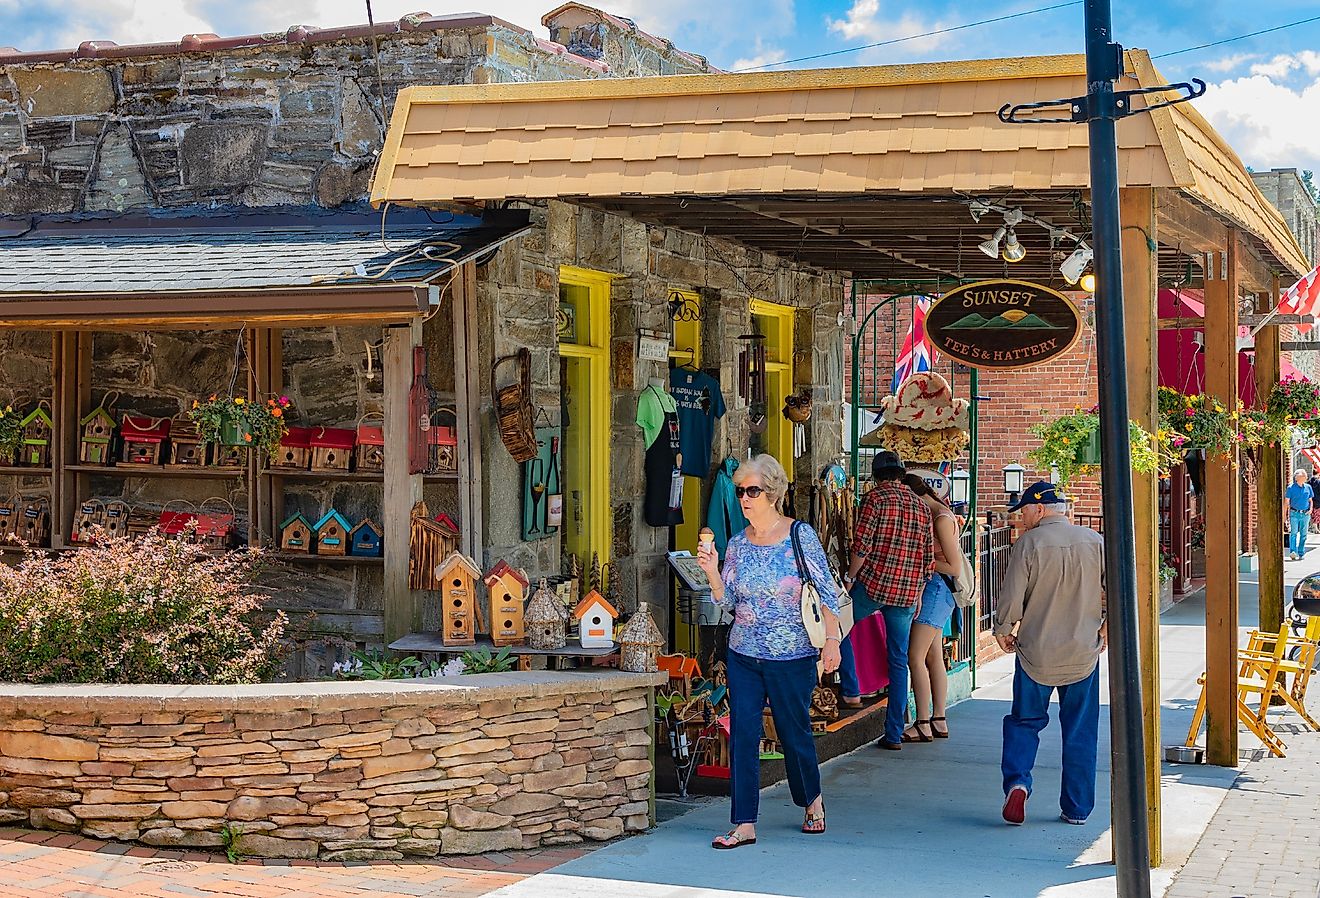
point(917, 354)
point(1302, 298)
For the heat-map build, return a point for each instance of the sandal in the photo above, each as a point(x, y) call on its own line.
point(731, 839)
point(937, 733)
point(920, 736)
point(814, 825)
point(851, 701)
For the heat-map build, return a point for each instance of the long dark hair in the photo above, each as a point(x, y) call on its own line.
point(919, 486)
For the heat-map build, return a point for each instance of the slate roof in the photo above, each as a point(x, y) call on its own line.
point(136, 255)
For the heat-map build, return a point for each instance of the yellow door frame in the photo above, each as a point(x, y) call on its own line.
point(595, 353)
point(687, 335)
point(775, 321)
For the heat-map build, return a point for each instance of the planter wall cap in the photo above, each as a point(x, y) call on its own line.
point(18, 700)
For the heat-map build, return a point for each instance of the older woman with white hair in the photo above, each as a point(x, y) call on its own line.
point(770, 654)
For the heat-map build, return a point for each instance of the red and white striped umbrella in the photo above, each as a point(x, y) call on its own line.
point(1302, 298)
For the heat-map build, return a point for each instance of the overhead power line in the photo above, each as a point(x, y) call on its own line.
point(1240, 37)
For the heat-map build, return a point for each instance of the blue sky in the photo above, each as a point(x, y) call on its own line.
point(1265, 91)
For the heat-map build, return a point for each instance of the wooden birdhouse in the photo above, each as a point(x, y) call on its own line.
point(295, 452)
point(595, 618)
point(9, 513)
point(458, 576)
point(37, 430)
point(96, 433)
point(370, 450)
point(332, 448)
point(91, 513)
point(115, 518)
point(140, 523)
point(682, 671)
point(508, 589)
point(546, 619)
point(332, 534)
point(640, 642)
point(186, 447)
point(224, 455)
point(296, 534)
point(34, 523)
point(143, 439)
point(430, 541)
point(442, 446)
point(365, 539)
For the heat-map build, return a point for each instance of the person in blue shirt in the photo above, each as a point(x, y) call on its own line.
point(1301, 499)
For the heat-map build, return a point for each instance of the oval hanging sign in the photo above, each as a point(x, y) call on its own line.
point(1003, 324)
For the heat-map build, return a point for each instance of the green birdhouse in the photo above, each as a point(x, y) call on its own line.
point(37, 430)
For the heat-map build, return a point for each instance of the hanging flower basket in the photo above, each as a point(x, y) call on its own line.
point(1088, 453)
point(1197, 422)
point(1295, 401)
point(11, 433)
point(235, 421)
point(1071, 443)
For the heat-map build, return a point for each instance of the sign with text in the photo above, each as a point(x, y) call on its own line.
point(938, 483)
point(1001, 325)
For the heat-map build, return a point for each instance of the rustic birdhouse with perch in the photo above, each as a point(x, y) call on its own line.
point(37, 429)
point(115, 519)
point(332, 448)
point(546, 619)
point(365, 540)
point(508, 589)
point(458, 576)
point(91, 513)
point(296, 534)
point(595, 618)
point(295, 452)
point(9, 512)
point(442, 443)
point(96, 432)
point(332, 534)
point(186, 447)
point(143, 439)
point(640, 642)
point(370, 450)
point(34, 524)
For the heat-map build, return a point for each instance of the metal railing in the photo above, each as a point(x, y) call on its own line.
point(996, 543)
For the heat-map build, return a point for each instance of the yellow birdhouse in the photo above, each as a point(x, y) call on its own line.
point(458, 576)
point(507, 587)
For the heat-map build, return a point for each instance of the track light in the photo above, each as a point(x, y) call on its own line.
point(978, 208)
point(1073, 266)
point(1088, 282)
point(1012, 218)
point(1013, 251)
point(991, 247)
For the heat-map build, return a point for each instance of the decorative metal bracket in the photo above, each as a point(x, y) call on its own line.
point(683, 307)
point(1079, 109)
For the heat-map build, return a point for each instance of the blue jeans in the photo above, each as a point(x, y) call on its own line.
point(898, 630)
point(1300, 521)
point(1079, 716)
point(788, 685)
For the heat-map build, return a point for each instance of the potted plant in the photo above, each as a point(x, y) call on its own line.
point(234, 421)
point(1168, 570)
point(1197, 422)
point(11, 433)
point(1070, 444)
point(1295, 401)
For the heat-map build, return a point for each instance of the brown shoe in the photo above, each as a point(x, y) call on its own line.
point(889, 746)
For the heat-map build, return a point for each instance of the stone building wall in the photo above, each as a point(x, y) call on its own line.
point(1284, 188)
point(336, 771)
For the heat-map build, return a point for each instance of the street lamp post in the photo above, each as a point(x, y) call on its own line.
point(1014, 476)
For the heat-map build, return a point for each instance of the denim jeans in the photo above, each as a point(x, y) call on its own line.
point(898, 629)
point(788, 685)
point(1079, 716)
point(1300, 521)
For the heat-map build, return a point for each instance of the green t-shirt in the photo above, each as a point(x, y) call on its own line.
point(652, 406)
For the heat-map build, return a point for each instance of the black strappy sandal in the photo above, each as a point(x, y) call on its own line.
point(920, 737)
point(936, 733)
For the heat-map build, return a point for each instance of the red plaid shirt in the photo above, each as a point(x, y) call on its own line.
point(896, 541)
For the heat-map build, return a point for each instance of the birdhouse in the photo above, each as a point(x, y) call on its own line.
point(115, 518)
point(296, 534)
point(97, 431)
point(186, 447)
point(332, 448)
point(140, 523)
point(295, 452)
point(9, 512)
point(224, 455)
point(364, 540)
point(442, 444)
point(546, 619)
point(595, 618)
point(458, 576)
point(640, 642)
point(91, 513)
point(682, 671)
point(332, 534)
point(370, 450)
point(37, 429)
point(143, 439)
point(507, 588)
point(34, 524)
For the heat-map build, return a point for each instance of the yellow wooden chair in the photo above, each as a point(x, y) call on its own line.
point(1253, 679)
point(1298, 662)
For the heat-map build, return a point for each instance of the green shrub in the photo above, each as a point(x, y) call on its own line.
point(149, 610)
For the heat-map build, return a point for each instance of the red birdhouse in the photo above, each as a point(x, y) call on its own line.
point(143, 439)
point(295, 452)
point(332, 448)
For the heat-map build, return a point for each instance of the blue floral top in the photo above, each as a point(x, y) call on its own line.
point(763, 590)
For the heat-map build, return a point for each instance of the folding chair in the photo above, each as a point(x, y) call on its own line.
point(1298, 662)
point(1261, 678)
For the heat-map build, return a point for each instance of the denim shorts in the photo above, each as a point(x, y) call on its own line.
point(936, 603)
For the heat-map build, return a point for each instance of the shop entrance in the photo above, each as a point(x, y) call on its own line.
point(774, 323)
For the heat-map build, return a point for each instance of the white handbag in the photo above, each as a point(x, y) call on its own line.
point(813, 619)
point(964, 585)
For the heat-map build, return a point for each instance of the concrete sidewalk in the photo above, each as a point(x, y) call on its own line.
point(925, 821)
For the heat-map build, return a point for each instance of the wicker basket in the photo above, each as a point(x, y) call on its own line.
point(513, 407)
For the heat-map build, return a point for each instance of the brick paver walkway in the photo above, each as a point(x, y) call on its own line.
point(1262, 841)
point(46, 865)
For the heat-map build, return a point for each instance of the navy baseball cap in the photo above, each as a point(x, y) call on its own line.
point(1042, 492)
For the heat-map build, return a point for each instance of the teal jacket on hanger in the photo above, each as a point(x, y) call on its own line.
point(725, 515)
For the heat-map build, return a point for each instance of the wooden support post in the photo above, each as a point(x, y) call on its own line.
point(64, 450)
point(270, 498)
point(1269, 484)
point(1140, 269)
point(403, 489)
point(467, 404)
point(1221, 514)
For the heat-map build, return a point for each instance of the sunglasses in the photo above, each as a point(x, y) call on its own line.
point(753, 492)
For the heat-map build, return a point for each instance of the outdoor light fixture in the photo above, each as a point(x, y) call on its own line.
point(1088, 282)
point(1013, 481)
point(1054, 474)
point(1013, 251)
point(991, 247)
point(959, 483)
point(1073, 266)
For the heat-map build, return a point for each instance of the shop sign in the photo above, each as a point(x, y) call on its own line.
point(939, 484)
point(1003, 324)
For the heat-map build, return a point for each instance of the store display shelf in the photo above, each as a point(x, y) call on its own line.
point(329, 560)
point(20, 471)
point(159, 471)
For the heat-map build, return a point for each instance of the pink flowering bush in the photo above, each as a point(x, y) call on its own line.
point(148, 610)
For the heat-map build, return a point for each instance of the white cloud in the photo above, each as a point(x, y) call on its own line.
point(865, 22)
point(761, 57)
point(1269, 123)
point(1228, 63)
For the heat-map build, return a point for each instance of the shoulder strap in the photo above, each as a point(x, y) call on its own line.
point(798, 554)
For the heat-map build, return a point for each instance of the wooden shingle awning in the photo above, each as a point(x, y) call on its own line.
point(837, 168)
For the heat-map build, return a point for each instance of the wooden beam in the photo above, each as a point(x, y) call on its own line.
point(1269, 321)
point(1221, 515)
point(467, 407)
point(1269, 486)
point(1140, 272)
point(1192, 228)
point(1299, 346)
point(64, 448)
point(403, 489)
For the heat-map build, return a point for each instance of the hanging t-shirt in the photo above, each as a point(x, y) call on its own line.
point(652, 406)
point(700, 403)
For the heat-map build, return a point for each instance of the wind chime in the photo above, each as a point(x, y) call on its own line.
point(751, 380)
